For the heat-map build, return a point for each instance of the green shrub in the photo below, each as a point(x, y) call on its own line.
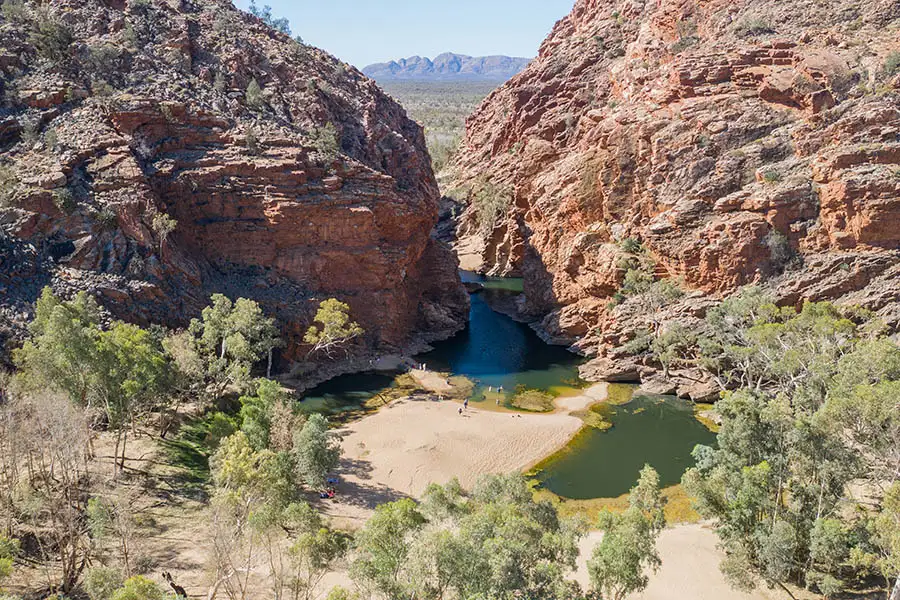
point(9, 549)
point(631, 246)
point(31, 133)
point(771, 176)
point(101, 88)
point(51, 140)
point(100, 583)
point(892, 64)
point(220, 84)
point(752, 26)
point(637, 281)
point(104, 58)
point(251, 142)
point(52, 39)
point(64, 200)
point(687, 35)
point(614, 301)
point(138, 588)
point(166, 111)
point(9, 183)
point(639, 344)
point(254, 96)
point(130, 36)
point(780, 248)
point(107, 218)
point(491, 204)
point(324, 140)
point(14, 11)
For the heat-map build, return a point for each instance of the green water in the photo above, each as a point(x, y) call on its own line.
point(657, 430)
point(347, 392)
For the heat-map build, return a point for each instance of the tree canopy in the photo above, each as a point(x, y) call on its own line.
point(808, 447)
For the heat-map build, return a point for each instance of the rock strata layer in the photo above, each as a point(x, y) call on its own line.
point(291, 176)
point(738, 143)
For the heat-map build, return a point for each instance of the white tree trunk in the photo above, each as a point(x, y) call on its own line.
point(895, 595)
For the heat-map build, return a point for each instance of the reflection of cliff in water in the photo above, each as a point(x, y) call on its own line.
point(496, 351)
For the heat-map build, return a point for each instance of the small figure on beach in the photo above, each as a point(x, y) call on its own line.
point(466, 403)
point(460, 411)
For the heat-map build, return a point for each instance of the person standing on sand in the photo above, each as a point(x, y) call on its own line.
point(466, 403)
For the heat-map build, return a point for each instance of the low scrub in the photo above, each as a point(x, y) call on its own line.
point(533, 401)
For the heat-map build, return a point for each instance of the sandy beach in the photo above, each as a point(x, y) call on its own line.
point(399, 450)
point(689, 571)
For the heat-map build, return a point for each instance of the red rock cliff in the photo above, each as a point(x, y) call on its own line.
point(151, 110)
point(750, 141)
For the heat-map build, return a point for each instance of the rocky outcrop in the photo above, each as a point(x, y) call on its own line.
point(754, 142)
point(291, 176)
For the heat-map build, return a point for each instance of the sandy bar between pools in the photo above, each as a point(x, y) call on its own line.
point(399, 450)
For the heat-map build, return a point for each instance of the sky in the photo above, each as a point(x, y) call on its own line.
point(362, 32)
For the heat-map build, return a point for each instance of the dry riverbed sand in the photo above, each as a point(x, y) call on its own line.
point(399, 450)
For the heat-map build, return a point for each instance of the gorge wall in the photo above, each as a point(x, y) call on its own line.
point(312, 185)
point(748, 142)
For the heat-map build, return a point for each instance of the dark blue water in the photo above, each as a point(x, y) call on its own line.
point(495, 351)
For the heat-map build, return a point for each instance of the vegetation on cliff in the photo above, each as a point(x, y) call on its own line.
point(156, 153)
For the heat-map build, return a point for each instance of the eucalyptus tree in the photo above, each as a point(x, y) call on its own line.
point(335, 329)
point(496, 542)
point(231, 337)
point(814, 419)
point(118, 371)
point(620, 563)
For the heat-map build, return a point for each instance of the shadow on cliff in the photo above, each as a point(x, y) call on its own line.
point(539, 304)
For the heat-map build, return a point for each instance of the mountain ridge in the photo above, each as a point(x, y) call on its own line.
point(448, 66)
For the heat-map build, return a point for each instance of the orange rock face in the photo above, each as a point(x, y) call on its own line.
point(725, 137)
point(264, 208)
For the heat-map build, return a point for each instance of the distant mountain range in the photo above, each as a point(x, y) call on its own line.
point(448, 67)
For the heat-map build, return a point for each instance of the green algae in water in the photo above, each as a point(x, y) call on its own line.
point(655, 430)
point(346, 393)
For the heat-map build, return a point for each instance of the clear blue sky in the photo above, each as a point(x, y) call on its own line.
point(362, 32)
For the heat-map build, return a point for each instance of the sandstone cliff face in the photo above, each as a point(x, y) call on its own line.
point(739, 142)
point(148, 112)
